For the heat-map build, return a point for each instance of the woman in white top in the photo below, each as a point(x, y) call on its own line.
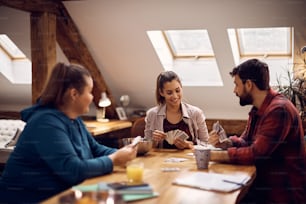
point(173, 123)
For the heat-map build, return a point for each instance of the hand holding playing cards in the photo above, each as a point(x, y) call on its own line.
point(214, 139)
point(158, 135)
point(182, 144)
point(123, 155)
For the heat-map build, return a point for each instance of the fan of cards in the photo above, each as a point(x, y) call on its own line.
point(220, 131)
point(173, 134)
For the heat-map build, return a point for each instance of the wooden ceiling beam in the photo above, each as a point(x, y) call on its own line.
point(32, 5)
point(43, 50)
point(72, 45)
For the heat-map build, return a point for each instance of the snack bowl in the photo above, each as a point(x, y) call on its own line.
point(144, 146)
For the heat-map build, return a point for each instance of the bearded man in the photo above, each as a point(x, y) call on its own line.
point(273, 140)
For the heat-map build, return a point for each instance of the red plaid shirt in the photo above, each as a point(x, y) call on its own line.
point(274, 141)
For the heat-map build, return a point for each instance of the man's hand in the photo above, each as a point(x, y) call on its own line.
point(213, 139)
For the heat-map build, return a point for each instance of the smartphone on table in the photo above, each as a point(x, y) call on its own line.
point(124, 184)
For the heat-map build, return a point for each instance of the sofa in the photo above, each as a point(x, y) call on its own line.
point(10, 130)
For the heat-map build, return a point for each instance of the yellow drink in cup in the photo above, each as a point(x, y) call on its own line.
point(134, 172)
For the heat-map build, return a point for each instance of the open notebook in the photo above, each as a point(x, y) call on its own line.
point(213, 181)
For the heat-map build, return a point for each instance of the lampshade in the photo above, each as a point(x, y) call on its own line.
point(104, 101)
point(125, 100)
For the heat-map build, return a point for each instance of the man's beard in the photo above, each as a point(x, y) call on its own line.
point(245, 99)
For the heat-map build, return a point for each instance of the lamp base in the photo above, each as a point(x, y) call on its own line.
point(103, 120)
point(101, 115)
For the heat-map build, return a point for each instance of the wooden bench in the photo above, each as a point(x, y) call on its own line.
point(231, 127)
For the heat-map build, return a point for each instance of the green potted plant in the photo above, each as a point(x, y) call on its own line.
point(295, 91)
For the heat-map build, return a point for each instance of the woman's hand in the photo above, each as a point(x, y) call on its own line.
point(158, 135)
point(182, 144)
point(123, 155)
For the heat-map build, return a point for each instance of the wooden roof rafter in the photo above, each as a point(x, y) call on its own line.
point(31, 6)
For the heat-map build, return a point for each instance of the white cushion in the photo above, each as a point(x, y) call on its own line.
point(8, 130)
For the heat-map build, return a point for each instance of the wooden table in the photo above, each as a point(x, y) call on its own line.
point(162, 181)
point(97, 128)
point(109, 133)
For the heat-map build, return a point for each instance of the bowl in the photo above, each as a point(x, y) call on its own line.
point(144, 146)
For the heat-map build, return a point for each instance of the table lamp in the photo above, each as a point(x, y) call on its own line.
point(103, 103)
point(125, 101)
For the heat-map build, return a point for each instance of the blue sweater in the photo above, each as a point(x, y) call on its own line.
point(53, 153)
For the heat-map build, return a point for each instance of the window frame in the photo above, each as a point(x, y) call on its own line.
point(186, 56)
point(262, 54)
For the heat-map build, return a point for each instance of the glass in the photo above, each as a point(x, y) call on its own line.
point(134, 172)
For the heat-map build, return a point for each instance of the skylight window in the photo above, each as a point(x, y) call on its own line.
point(189, 53)
point(271, 45)
point(265, 41)
point(10, 48)
point(14, 65)
point(189, 43)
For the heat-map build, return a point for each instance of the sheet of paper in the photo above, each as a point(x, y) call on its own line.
point(213, 181)
point(175, 159)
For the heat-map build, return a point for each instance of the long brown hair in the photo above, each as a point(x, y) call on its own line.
point(62, 78)
point(163, 77)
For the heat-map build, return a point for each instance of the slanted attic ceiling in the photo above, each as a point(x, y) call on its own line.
point(115, 34)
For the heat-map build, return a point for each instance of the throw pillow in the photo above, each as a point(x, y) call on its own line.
point(14, 140)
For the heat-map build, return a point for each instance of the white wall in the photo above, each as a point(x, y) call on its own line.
point(115, 33)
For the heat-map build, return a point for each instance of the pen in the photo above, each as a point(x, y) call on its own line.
point(233, 182)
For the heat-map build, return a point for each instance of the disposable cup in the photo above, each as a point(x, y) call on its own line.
point(202, 156)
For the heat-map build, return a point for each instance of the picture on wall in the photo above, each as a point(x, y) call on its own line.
point(121, 113)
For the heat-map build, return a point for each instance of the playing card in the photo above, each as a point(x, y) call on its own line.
point(222, 136)
point(136, 140)
point(170, 137)
point(173, 134)
point(181, 134)
point(175, 159)
point(220, 131)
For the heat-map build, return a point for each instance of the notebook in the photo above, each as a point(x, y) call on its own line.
point(213, 181)
point(137, 195)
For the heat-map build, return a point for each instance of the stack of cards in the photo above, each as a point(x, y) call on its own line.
point(173, 134)
point(220, 131)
